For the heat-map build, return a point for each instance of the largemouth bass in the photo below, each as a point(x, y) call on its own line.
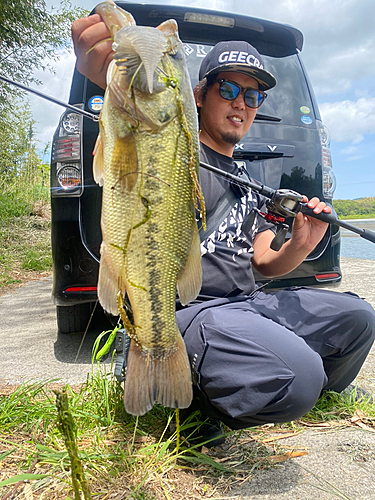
point(146, 158)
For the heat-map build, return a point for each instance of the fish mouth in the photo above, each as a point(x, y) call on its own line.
point(138, 52)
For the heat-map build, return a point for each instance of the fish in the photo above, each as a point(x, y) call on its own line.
point(146, 158)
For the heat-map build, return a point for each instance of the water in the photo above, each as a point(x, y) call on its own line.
point(353, 245)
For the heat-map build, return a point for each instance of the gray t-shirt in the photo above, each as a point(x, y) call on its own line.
point(227, 252)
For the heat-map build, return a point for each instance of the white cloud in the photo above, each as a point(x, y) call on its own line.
point(349, 150)
point(349, 121)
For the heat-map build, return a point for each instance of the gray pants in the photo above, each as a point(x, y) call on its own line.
point(268, 357)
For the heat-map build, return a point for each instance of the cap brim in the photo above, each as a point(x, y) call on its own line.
point(265, 79)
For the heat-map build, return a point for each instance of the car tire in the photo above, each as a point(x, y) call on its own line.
point(74, 319)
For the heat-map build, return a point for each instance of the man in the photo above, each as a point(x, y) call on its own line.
point(256, 357)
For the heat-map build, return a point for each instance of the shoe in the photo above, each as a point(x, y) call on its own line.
point(201, 430)
point(357, 393)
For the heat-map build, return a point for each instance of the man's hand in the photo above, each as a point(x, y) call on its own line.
point(92, 33)
point(306, 234)
point(308, 231)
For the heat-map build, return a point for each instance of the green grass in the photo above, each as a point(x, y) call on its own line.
point(24, 235)
point(146, 457)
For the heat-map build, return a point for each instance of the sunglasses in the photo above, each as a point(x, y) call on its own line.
point(230, 91)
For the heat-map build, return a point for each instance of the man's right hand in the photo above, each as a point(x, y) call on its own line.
point(90, 33)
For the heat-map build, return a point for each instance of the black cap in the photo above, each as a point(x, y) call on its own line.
point(237, 56)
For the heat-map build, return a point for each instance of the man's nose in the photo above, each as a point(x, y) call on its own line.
point(239, 101)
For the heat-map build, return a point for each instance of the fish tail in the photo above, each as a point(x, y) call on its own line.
point(150, 379)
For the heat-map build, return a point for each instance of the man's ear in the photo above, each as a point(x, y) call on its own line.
point(197, 97)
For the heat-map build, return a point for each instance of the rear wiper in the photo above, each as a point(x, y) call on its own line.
point(260, 116)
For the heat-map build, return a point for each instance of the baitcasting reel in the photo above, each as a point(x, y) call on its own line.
point(283, 203)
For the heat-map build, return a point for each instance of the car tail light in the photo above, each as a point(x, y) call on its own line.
point(69, 177)
point(66, 165)
point(65, 148)
point(327, 276)
point(329, 179)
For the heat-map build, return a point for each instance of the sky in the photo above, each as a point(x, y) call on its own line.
point(339, 56)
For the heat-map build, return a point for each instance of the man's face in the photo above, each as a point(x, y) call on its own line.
point(223, 123)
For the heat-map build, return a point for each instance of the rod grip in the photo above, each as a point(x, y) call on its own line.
point(329, 218)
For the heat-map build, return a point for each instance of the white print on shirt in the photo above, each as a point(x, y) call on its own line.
point(229, 230)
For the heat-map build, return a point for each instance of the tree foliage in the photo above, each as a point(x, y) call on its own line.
point(364, 207)
point(30, 37)
point(18, 155)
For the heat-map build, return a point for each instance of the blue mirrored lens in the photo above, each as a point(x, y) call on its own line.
point(253, 98)
point(229, 91)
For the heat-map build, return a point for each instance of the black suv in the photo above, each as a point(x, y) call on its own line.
point(287, 147)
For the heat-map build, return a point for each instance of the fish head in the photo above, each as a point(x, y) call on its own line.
point(148, 78)
point(114, 17)
point(144, 55)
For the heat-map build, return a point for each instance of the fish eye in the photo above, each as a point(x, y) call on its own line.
point(176, 55)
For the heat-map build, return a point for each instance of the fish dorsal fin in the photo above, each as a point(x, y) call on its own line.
point(189, 281)
point(136, 45)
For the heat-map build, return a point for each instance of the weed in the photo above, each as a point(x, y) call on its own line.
point(332, 406)
point(24, 232)
point(143, 458)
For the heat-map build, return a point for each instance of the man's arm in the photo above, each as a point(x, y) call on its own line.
point(92, 33)
point(306, 234)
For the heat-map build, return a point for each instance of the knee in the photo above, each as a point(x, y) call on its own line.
point(302, 393)
point(361, 321)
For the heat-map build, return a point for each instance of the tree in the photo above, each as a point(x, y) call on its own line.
point(30, 37)
point(18, 157)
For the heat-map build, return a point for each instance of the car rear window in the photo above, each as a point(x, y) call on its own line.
point(289, 101)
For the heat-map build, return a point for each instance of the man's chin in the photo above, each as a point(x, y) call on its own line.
point(231, 138)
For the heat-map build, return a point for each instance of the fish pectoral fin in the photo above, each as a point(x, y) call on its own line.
point(108, 286)
point(98, 162)
point(189, 281)
point(164, 379)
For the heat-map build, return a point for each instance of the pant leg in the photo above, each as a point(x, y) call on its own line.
point(251, 370)
point(340, 327)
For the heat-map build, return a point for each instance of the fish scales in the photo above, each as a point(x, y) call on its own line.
point(146, 159)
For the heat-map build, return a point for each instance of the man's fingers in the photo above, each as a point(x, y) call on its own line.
point(93, 48)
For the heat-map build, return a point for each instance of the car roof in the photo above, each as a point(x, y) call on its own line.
point(209, 26)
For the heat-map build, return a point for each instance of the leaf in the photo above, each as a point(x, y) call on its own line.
point(22, 477)
point(357, 419)
point(6, 454)
point(288, 455)
point(283, 436)
point(201, 459)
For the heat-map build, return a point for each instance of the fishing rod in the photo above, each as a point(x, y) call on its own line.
point(281, 203)
point(82, 112)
